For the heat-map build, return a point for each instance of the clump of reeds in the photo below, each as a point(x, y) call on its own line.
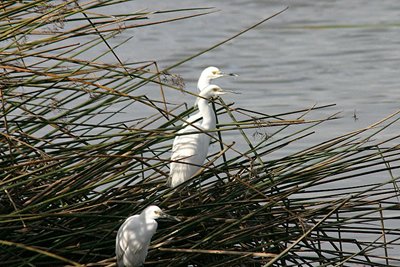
point(73, 167)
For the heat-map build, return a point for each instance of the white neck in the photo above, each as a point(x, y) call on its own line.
point(148, 219)
point(203, 83)
point(207, 113)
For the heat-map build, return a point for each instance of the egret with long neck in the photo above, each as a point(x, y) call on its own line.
point(190, 147)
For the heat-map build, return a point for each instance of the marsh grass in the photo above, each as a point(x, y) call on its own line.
point(74, 165)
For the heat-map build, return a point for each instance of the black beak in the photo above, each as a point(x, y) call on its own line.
point(231, 92)
point(229, 74)
point(173, 218)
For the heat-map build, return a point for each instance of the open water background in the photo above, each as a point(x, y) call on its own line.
point(343, 52)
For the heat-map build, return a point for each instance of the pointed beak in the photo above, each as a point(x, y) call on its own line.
point(170, 217)
point(230, 91)
point(228, 74)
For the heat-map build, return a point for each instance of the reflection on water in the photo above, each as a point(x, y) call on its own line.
point(344, 52)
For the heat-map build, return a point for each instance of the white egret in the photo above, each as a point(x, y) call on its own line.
point(190, 151)
point(134, 236)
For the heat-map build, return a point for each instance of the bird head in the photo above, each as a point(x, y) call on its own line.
point(212, 91)
point(209, 74)
point(154, 212)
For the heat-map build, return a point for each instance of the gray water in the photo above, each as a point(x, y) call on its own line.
point(343, 52)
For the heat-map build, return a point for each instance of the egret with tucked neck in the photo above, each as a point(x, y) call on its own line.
point(134, 236)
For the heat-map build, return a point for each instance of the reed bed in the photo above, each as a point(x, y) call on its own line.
point(76, 159)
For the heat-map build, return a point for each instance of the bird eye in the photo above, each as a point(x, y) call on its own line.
point(215, 72)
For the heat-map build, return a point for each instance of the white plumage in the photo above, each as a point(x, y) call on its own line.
point(207, 75)
point(134, 237)
point(190, 151)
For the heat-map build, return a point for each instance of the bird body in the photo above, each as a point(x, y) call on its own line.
point(189, 151)
point(187, 155)
point(134, 236)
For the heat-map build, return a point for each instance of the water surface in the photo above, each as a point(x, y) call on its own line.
point(344, 52)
